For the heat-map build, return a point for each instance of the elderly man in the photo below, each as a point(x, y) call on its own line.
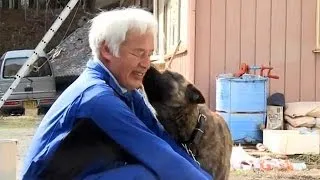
point(100, 127)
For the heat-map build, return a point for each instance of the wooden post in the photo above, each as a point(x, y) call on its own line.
point(8, 157)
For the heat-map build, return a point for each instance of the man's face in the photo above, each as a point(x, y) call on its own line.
point(133, 61)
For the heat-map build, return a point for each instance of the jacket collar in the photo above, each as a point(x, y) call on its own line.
point(104, 73)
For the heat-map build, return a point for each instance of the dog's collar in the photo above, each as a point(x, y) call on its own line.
point(198, 130)
point(195, 136)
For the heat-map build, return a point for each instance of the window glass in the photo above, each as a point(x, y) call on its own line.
point(12, 66)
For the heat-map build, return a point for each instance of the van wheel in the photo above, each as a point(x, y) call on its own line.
point(20, 112)
point(42, 110)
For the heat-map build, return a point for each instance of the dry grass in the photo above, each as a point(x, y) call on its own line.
point(13, 122)
point(309, 159)
point(313, 174)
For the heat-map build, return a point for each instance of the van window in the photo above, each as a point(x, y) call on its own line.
point(12, 66)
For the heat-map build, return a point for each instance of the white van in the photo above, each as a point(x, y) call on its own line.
point(37, 89)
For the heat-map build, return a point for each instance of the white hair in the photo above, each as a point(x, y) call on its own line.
point(113, 26)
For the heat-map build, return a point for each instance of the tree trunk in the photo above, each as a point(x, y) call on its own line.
point(5, 4)
point(25, 11)
point(37, 6)
point(15, 4)
point(31, 3)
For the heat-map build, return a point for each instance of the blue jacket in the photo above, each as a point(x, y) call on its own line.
point(124, 117)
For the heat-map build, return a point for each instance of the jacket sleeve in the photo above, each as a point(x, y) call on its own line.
point(117, 120)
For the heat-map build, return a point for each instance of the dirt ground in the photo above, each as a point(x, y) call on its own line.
point(22, 128)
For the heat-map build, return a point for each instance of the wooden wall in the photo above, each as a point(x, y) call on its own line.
point(281, 33)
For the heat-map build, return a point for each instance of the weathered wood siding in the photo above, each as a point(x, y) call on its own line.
point(281, 33)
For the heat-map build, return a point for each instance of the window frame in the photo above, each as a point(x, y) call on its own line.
point(165, 46)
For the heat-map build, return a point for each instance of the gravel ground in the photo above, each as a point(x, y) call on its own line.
point(22, 128)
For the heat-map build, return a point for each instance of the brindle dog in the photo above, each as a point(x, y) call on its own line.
point(179, 106)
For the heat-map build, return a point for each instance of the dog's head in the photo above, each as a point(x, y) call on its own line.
point(170, 88)
point(174, 99)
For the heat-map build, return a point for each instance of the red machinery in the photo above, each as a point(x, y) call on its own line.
point(245, 69)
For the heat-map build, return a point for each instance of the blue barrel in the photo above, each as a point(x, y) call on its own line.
point(242, 102)
point(245, 127)
point(245, 94)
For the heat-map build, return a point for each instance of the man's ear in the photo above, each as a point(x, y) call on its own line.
point(105, 51)
point(194, 95)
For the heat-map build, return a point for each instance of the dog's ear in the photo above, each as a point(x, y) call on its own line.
point(194, 95)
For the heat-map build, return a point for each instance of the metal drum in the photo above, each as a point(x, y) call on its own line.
point(242, 102)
